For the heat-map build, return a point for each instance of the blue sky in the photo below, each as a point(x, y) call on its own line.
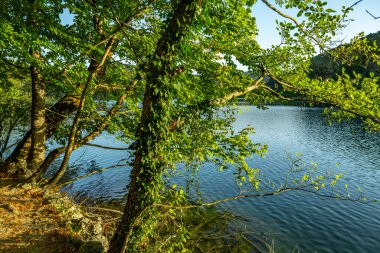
point(266, 19)
point(363, 22)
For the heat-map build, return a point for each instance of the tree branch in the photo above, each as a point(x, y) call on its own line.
point(104, 147)
point(74, 126)
point(232, 95)
point(372, 14)
point(13, 64)
point(91, 173)
point(329, 102)
point(302, 29)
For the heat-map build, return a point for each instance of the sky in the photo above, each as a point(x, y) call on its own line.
point(266, 18)
point(363, 22)
point(266, 21)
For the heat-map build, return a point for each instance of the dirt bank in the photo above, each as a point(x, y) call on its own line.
point(33, 220)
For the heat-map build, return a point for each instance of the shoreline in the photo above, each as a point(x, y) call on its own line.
point(36, 220)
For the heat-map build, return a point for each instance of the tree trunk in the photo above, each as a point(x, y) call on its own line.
point(37, 151)
point(146, 175)
point(50, 158)
point(16, 162)
point(74, 128)
point(37, 147)
point(54, 154)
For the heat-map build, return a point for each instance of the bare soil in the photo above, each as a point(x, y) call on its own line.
point(29, 224)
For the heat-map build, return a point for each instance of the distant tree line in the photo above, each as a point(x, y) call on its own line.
point(326, 65)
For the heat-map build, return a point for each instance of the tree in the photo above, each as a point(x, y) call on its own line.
point(169, 68)
point(351, 59)
point(155, 137)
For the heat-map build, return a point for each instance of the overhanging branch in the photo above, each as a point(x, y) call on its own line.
point(255, 84)
point(329, 102)
point(372, 14)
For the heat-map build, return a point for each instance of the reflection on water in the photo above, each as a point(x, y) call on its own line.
point(294, 220)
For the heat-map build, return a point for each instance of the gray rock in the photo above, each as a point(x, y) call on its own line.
point(97, 228)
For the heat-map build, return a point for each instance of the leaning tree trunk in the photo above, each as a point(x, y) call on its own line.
point(74, 128)
point(55, 153)
point(54, 116)
point(146, 175)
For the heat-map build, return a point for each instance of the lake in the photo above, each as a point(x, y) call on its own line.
point(293, 220)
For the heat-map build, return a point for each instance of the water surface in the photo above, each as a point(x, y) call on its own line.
point(294, 220)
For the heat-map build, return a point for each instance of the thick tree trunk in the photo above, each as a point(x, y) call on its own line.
point(144, 178)
point(16, 162)
point(146, 175)
point(37, 140)
point(37, 151)
point(54, 154)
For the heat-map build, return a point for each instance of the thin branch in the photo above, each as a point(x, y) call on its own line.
point(355, 4)
point(115, 32)
point(13, 64)
point(219, 201)
point(372, 14)
point(347, 10)
point(74, 126)
point(111, 113)
point(104, 147)
point(302, 29)
point(105, 209)
point(331, 196)
point(232, 95)
point(298, 99)
point(90, 174)
point(314, 101)
point(10, 146)
point(330, 103)
point(138, 58)
point(273, 193)
point(285, 84)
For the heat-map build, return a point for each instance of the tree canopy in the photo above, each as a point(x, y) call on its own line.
point(163, 76)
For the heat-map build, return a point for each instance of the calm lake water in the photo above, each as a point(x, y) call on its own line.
point(293, 220)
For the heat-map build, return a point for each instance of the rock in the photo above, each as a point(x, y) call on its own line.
point(102, 240)
point(54, 202)
point(76, 214)
point(88, 230)
point(91, 247)
point(97, 228)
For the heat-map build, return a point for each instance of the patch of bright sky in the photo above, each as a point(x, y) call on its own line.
point(266, 21)
point(66, 17)
point(363, 22)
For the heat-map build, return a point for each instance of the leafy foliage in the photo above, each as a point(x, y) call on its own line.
point(160, 74)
